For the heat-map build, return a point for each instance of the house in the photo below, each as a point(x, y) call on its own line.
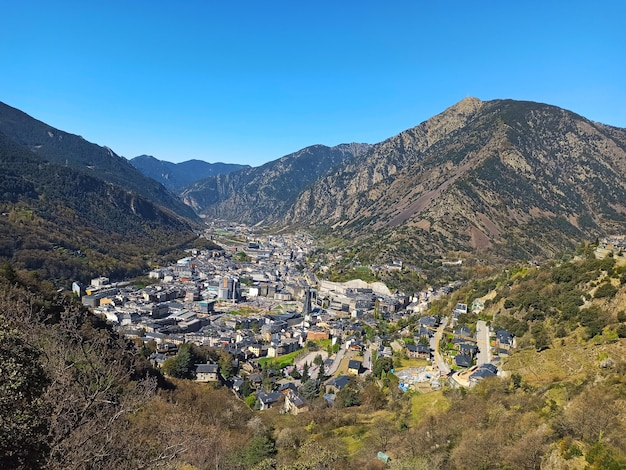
point(255, 379)
point(255, 348)
point(337, 384)
point(317, 334)
point(286, 387)
point(460, 309)
point(463, 331)
point(294, 403)
point(268, 399)
point(207, 373)
point(463, 360)
point(354, 367)
point(418, 351)
point(468, 348)
point(430, 321)
point(504, 340)
point(423, 332)
point(483, 372)
point(157, 359)
point(237, 383)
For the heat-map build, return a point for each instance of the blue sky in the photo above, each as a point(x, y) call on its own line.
point(250, 81)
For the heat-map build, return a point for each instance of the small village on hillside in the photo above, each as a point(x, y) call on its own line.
point(256, 301)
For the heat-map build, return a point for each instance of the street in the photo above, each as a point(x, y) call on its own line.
point(482, 339)
point(439, 361)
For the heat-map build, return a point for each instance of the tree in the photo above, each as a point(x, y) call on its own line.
point(382, 364)
point(226, 365)
point(23, 414)
point(260, 448)
point(540, 336)
point(318, 361)
point(290, 437)
point(305, 372)
point(181, 365)
point(321, 375)
point(348, 396)
point(373, 397)
point(309, 389)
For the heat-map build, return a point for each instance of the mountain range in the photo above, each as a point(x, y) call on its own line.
point(502, 178)
point(265, 193)
point(499, 179)
point(177, 176)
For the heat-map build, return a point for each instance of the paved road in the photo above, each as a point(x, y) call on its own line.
point(309, 357)
point(336, 362)
point(482, 340)
point(441, 364)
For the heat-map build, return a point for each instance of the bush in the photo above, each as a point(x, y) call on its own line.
point(606, 290)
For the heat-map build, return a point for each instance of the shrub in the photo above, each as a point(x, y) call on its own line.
point(606, 290)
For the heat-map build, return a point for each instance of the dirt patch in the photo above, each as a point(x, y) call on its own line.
point(423, 224)
point(479, 241)
point(489, 225)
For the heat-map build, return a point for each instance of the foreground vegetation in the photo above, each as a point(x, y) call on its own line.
point(75, 395)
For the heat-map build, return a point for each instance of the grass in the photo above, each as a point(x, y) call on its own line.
point(322, 344)
point(348, 274)
point(245, 311)
point(281, 361)
point(424, 405)
point(412, 364)
point(570, 362)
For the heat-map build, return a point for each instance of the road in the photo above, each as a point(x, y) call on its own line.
point(439, 361)
point(367, 361)
point(299, 362)
point(336, 362)
point(482, 340)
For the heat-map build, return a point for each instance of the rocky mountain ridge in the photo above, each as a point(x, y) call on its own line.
point(264, 193)
point(504, 178)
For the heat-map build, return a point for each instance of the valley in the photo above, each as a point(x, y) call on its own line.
point(451, 297)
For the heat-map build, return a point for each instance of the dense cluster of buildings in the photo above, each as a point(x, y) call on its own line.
point(254, 299)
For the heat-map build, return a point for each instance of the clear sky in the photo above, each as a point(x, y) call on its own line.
point(251, 81)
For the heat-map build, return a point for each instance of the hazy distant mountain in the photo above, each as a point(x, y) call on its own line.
point(264, 193)
point(176, 176)
point(503, 178)
point(75, 152)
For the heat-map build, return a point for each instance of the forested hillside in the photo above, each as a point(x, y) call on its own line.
point(72, 151)
point(65, 225)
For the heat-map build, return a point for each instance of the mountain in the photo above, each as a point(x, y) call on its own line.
point(73, 151)
point(502, 178)
point(64, 224)
point(263, 194)
point(176, 176)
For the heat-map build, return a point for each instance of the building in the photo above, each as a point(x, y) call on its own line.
point(207, 373)
point(354, 367)
point(294, 403)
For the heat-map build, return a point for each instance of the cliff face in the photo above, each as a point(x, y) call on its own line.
point(507, 178)
point(263, 194)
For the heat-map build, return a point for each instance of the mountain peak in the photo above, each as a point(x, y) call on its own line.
point(453, 118)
